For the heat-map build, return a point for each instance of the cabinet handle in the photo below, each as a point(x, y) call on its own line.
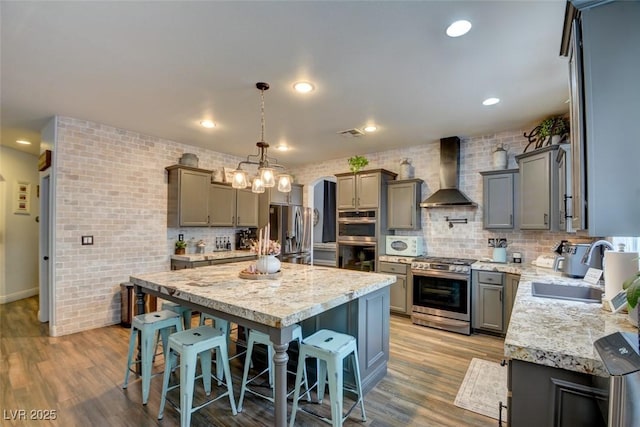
point(511, 220)
point(500, 296)
point(546, 219)
point(238, 220)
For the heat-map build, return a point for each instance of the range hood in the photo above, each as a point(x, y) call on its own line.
point(448, 194)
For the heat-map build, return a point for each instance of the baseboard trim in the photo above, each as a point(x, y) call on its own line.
point(4, 299)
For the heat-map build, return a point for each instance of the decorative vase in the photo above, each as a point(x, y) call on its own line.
point(405, 169)
point(500, 157)
point(555, 139)
point(268, 264)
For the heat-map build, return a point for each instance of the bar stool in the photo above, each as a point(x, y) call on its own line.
point(330, 348)
point(189, 345)
point(149, 325)
point(256, 337)
point(225, 328)
point(184, 312)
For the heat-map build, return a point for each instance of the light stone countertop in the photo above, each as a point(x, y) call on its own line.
point(301, 292)
point(207, 256)
point(396, 258)
point(554, 332)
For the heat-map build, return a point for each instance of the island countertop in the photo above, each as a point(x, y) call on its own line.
point(301, 292)
point(554, 332)
point(217, 255)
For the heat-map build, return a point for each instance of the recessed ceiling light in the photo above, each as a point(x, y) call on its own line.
point(282, 147)
point(23, 142)
point(303, 87)
point(490, 101)
point(207, 124)
point(458, 28)
point(370, 128)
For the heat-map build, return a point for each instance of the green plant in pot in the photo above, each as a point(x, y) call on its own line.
point(632, 286)
point(554, 126)
point(356, 163)
point(181, 247)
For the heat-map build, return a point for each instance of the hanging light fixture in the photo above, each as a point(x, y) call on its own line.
point(266, 177)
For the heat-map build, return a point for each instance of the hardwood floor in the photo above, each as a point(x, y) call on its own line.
point(80, 377)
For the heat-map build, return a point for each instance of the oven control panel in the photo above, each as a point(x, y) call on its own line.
point(441, 267)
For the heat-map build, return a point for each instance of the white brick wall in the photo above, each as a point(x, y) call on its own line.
point(463, 240)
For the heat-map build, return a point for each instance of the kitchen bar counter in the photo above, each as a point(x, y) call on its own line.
point(302, 293)
point(209, 256)
point(553, 332)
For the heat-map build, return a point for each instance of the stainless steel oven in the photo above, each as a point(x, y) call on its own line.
point(357, 226)
point(442, 293)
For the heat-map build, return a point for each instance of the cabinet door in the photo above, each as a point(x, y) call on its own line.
point(368, 190)
point(295, 196)
point(246, 208)
point(346, 192)
point(535, 189)
point(401, 206)
point(193, 198)
point(498, 201)
point(278, 198)
point(398, 296)
point(511, 288)
point(222, 205)
point(489, 307)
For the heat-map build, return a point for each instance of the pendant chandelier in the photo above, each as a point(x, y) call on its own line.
point(266, 176)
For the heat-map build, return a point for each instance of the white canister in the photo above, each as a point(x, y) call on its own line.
point(500, 158)
point(499, 254)
point(406, 170)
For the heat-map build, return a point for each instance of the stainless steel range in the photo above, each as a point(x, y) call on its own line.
point(442, 293)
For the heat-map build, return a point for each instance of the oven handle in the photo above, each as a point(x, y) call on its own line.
point(356, 221)
point(443, 274)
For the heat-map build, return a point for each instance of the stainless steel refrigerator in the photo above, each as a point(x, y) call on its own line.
point(292, 227)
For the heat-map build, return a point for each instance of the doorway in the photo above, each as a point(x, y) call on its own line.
point(43, 264)
point(324, 221)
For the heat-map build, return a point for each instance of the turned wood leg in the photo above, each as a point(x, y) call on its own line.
point(280, 360)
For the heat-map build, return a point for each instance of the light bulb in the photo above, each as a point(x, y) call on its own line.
point(267, 177)
point(284, 183)
point(239, 179)
point(257, 186)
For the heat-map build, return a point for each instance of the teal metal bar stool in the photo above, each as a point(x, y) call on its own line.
point(149, 325)
point(190, 345)
point(224, 326)
point(256, 337)
point(185, 312)
point(330, 348)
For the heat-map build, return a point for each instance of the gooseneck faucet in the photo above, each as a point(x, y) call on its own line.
point(586, 259)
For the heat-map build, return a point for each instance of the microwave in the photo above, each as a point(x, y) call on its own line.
point(404, 245)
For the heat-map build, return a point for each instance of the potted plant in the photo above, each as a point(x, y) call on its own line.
point(181, 247)
point(356, 163)
point(632, 286)
point(556, 128)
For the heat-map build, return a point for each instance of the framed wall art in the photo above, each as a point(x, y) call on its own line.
point(22, 198)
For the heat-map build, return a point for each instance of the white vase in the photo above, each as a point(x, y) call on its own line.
point(268, 264)
point(500, 158)
point(405, 169)
point(632, 316)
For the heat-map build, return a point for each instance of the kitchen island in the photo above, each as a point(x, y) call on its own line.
point(320, 297)
point(556, 376)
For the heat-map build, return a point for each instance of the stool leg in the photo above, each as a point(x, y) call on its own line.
point(165, 380)
point(148, 347)
point(227, 374)
point(132, 347)
point(356, 367)
point(296, 394)
point(245, 375)
point(205, 367)
point(335, 391)
point(187, 374)
point(187, 319)
point(322, 379)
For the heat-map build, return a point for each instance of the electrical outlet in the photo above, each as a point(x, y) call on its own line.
point(491, 243)
point(87, 240)
point(181, 237)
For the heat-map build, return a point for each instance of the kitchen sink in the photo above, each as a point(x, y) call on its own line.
point(566, 292)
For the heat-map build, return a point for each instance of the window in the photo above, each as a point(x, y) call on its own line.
point(631, 244)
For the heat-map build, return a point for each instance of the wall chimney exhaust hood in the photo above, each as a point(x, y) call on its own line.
point(448, 194)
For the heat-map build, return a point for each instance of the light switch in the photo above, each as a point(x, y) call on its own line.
point(87, 240)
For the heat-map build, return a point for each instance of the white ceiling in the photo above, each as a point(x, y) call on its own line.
point(160, 67)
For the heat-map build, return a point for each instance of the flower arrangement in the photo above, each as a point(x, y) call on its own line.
point(271, 247)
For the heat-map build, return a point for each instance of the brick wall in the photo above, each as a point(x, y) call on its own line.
point(463, 240)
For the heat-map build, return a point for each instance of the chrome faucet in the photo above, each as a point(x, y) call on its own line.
point(586, 259)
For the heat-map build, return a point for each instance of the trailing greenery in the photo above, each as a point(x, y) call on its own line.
point(357, 162)
point(632, 286)
point(554, 126)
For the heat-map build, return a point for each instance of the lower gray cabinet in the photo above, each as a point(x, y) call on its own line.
point(488, 301)
point(400, 300)
point(510, 290)
point(545, 396)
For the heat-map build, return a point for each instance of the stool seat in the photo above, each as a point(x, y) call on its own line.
point(330, 348)
point(190, 345)
point(185, 312)
point(257, 337)
point(149, 325)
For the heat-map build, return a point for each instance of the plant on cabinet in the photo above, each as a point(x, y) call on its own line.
point(181, 247)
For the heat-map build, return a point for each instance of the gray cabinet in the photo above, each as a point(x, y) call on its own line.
point(362, 190)
point(230, 207)
point(545, 396)
point(403, 209)
point(400, 294)
point(500, 199)
point(539, 206)
point(604, 59)
point(187, 196)
point(275, 197)
point(510, 290)
point(488, 297)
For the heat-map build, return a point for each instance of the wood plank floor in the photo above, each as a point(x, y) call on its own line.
point(80, 377)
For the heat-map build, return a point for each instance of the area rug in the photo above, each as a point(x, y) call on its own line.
point(484, 385)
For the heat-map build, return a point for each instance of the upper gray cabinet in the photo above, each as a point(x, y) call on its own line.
point(229, 207)
point(187, 196)
point(362, 190)
point(275, 197)
point(500, 199)
point(604, 59)
point(403, 209)
point(539, 208)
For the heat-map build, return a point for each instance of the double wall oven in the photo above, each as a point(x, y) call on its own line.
point(358, 233)
point(442, 293)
